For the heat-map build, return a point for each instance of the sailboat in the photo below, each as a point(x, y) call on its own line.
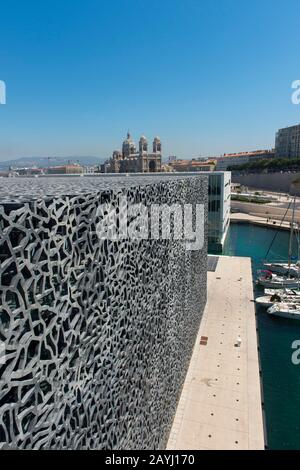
point(268, 278)
point(292, 269)
point(273, 281)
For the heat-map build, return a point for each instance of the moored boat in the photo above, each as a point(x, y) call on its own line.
point(269, 280)
point(286, 269)
point(285, 310)
point(286, 291)
point(280, 275)
point(269, 300)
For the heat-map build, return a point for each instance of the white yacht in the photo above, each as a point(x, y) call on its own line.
point(289, 292)
point(269, 300)
point(273, 281)
point(285, 310)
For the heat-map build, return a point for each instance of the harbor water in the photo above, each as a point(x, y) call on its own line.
point(280, 377)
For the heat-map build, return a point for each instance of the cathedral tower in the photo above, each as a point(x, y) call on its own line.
point(156, 145)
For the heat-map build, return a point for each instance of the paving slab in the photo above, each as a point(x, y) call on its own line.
point(220, 405)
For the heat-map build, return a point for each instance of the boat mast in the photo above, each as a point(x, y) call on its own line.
point(277, 231)
point(291, 235)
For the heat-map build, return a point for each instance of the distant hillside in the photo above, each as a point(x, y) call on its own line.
point(44, 162)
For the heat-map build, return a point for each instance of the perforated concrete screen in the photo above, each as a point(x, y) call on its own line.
point(96, 334)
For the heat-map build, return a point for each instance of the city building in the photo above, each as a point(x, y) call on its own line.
point(166, 168)
point(192, 165)
point(133, 160)
point(234, 159)
point(28, 171)
point(287, 143)
point(219, 197)
point(72, 168)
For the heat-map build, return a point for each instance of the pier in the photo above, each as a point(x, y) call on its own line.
point(271, 222)
point(220, 405)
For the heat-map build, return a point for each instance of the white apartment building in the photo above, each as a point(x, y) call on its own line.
point(233, 159)
point(287, 143)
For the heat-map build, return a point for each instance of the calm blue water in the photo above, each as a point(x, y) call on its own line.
point(281, 379)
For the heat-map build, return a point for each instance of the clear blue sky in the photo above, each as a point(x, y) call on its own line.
point(208, 76)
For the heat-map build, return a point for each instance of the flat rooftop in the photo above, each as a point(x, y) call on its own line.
point(25, 189)
point(220, 405)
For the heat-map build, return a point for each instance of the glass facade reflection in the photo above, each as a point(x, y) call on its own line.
point(218, 209)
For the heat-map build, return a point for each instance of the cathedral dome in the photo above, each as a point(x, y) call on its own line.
point(128, 147)
point(128, 139)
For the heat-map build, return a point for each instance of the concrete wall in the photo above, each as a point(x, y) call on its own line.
point(272, 181)
point(264, 210)
point(96, 334)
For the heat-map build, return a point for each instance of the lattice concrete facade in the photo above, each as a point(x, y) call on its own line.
point(97, 334)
